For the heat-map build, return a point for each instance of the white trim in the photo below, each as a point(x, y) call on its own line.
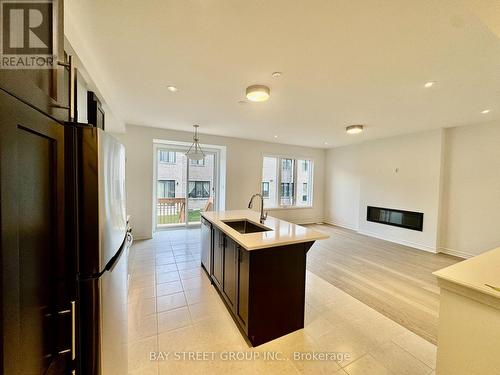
point(456, 253)
point(415, 245)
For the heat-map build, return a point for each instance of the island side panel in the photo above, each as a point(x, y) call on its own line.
point(277, 291)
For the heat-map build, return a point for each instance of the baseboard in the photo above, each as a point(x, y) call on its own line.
point(140, 238)
point(415, 245)
point(342, 225)
point(456, 253)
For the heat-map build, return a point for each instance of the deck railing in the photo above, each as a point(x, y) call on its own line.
point(171, 210)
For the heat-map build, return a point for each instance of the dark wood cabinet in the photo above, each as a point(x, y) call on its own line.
point(230, 271)
point(242, 285)
point(47, 90)
point(218, 257)
point(37, 271)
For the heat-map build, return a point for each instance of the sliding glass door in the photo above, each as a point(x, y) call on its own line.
point(184, 187)
point(201, 187)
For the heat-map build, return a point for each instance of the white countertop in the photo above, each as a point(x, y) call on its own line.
point(281, 233)
point(475, 273)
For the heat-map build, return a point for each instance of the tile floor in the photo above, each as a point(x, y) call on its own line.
point(174, 311)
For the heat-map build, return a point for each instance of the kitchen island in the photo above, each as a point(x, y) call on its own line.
point(259, 270)
point(469, 316)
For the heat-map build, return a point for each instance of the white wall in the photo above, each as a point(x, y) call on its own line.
point(452, 175)
point(471, 191)
point(401, 172)
point(244, 169)
point(342, 190)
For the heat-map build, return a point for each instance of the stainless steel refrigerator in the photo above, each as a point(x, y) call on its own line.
point(101, 237)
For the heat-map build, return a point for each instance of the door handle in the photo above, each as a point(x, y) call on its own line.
point(71, 311)
point(73, 330)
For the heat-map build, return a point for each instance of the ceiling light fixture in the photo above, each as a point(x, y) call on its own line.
point(354, 129)
point(430, 84)
point(172, 88)
point(484, 112)
point(276, 74)
point(195, 152)
point(275, 137)
point(258, 93)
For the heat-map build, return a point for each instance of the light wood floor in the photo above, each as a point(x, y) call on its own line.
point(393, 279)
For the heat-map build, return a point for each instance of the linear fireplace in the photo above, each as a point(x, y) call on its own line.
point(398, 218)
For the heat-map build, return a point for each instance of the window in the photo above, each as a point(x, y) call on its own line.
point(199, 189)
point(265, 189)
point(167, 156)
point(166, 189)
point(199, 163)
point(287, 182)
point(286, 195)
point(304, 192)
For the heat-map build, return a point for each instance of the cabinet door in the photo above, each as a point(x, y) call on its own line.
point(37, 271)
point(230, 269)
point(45, 89)
point(218, 257)
point(243, 285)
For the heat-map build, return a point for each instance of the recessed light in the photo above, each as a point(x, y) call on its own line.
point(484, 112)
point(276, 74)
point(172, 88)
point(258, 93)
point(354, 129)
point(275, 137)
point(429, 84)
point(326, 143)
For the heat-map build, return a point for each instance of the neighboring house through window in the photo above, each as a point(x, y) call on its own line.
point(199, 189)
point(265, 189)
point(199, 163)
point(167, 156)
point(166, 189)
point(287, 182)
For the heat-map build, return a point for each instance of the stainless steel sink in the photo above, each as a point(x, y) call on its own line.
point(245, 226)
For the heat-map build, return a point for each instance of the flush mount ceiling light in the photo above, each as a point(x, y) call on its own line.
point(354, 129)
point(485, 111)
point(429, 84)
point(258, 93)
point(276, 74)
point(195, 152)
point(172, 88)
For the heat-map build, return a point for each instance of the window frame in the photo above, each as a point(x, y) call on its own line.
point(168, 152)
point(296, 159)
point(201, 182)
point(166, 183)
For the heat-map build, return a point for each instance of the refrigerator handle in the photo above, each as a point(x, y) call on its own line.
point(127, 241)
point(73, 330)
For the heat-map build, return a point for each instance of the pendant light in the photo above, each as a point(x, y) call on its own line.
point(195, 152)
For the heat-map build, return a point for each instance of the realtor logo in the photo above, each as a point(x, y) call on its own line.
point(27, 34)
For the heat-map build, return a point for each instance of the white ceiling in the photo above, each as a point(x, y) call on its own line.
point(343, 62)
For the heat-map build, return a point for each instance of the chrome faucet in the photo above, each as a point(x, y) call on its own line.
point(263, 216)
